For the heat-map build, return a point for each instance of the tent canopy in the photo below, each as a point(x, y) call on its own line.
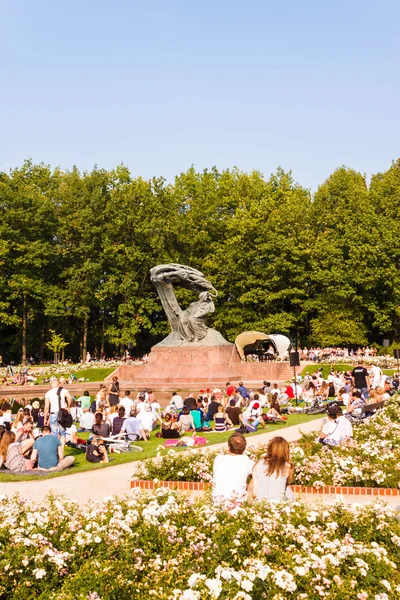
point(280, 342)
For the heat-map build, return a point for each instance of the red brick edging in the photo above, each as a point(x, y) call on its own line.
point(297, 489)
point(172, 485)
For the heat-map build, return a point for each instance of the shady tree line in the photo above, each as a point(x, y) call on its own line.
point(76, 250)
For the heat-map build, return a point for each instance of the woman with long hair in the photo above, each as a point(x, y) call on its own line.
point(273, 472)
point(100, 427)
point(19, 421)
point(11, 455)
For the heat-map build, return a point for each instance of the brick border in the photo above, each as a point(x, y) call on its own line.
point(197, 486)
point(186, 486)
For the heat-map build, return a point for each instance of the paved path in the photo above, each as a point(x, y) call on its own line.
point(96, 485)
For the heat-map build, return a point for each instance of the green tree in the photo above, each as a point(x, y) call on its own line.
point(56, 343)
point(261, 265)
point(27, 247)
point(345, 262)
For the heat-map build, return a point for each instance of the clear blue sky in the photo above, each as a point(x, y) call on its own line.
point(163, 84)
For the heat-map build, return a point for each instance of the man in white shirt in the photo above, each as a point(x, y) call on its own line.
point(133, 427)
point(127, 402)
point(146, 421)
point(252, 415)
point(55, 399)
point(141, 404)
point(176, 402)
point(375, 376)
point(231, 471)
point(87, 420)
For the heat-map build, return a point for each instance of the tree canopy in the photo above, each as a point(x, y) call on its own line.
point(76, 250)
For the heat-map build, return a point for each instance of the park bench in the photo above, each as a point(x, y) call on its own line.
point(368, 409)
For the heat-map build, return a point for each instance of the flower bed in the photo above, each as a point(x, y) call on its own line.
point(162, 546)
point(370, 460)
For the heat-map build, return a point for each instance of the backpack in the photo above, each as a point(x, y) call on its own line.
point(64, 418)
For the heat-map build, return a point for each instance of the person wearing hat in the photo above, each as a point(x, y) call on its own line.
point(35, 410)
point(252, 415)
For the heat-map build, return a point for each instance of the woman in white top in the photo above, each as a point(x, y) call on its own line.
point(273, 473)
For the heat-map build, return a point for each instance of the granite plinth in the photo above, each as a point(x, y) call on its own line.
point(190, 364)
point(203, 365)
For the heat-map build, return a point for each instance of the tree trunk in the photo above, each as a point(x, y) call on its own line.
point(102, 338)
point(24, 328)
point(41, 346)
point(85, 334)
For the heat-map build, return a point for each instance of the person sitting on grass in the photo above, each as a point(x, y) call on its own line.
point(273, 472)
point(100, 427)
point(355, 406)
point(49, 452)
point(87, 420)
point(118, 421)
point(221, 420)
point(252, 416)
point(230, 471)
point(96, 452)
point(25, 437)
point(146, 422)
point(11, 454)
point(197, 415)
point(186, 422)
point(233, 412)
point(132, 426)
point(169, 427)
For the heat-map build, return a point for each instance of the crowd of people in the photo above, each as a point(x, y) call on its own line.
point(36, 437)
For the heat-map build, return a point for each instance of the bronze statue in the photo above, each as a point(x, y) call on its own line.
point(188, 326)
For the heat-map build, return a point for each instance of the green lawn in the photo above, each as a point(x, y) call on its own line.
point(338, 367)
point(150, 450)
point(90, 374)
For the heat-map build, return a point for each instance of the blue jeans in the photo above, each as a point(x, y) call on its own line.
point(56, 428)
point(254, 423)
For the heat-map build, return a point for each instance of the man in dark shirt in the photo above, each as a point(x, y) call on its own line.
point(233, 412)
point(212, 409)
point(360, 379)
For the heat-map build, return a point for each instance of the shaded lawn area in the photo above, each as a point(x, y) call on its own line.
point(150, 450)
point(338, 367)
point(91, 374)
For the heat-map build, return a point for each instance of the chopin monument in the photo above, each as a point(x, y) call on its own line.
point(193, 354)
point(188, 326)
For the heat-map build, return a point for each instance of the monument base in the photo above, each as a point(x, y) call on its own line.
point(203, 366)
point(190, 364)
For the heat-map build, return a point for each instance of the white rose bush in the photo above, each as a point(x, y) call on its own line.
point(163, 546)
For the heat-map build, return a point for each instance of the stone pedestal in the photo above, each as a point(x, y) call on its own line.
point(191, 364)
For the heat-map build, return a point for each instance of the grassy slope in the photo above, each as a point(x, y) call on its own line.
point(91, 374)
point(338, 367)
point(150, 450)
